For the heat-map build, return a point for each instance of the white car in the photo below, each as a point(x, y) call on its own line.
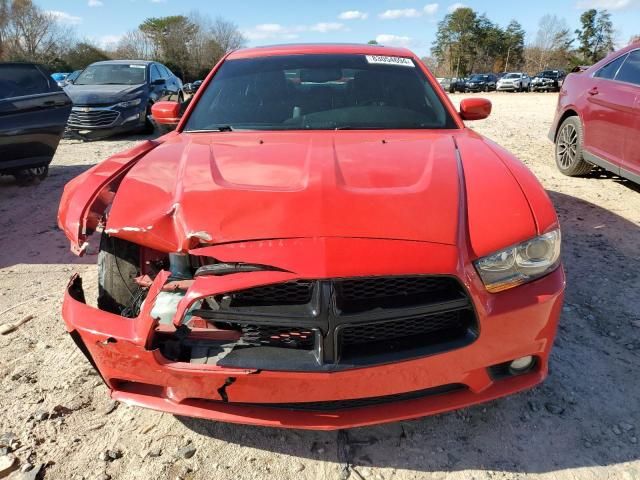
point(514, 82)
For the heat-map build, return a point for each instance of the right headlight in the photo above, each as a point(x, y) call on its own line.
point(520, 263)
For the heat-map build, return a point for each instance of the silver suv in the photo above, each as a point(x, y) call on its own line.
point(514, 82)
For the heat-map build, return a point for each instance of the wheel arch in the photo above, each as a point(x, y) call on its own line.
point(570, 112)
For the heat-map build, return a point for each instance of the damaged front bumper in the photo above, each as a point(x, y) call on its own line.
point(511, 325)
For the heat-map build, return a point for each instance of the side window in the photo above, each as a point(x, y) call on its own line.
point(610, 69)
point(155, 73)
point(630, 70)
point(166, 73)
point(22, 80)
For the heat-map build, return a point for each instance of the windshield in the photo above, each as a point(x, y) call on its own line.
point(479, 78)
point(547, 74)
point(112, 74)
point(512, 75)
point(319, 92)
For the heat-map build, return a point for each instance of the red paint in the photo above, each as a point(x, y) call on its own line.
point(318, 204)
point(609, 111)
point(475, 108)
point(166, 113)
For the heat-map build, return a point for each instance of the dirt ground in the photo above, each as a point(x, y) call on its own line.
point(582, 423)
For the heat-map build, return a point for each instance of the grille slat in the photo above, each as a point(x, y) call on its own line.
point(96, 118)
point(288, 293)
point(283, 337)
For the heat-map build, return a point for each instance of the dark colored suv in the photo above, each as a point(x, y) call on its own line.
point(33, 114)
point(481, 83)
point(548, 81)
point(116, 96)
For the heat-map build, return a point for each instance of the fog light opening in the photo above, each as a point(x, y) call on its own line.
point(522, 364)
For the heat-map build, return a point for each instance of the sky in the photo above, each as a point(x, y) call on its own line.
point(410, 23)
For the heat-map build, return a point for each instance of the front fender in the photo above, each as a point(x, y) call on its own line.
point(86, 197)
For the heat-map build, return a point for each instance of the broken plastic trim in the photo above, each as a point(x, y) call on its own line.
point(219, 269)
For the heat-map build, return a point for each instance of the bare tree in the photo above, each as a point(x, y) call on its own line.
point(227, 35)
point(552, 42)
point(133, 45)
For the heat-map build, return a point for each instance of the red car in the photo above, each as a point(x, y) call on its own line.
point(321, 243)
point(597, 121)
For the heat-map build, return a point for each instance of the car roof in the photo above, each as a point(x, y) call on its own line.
point(124, 62)
point(320, 48)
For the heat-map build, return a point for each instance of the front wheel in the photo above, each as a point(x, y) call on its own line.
point(29, 176)
point(118, 266)
point(569, 157)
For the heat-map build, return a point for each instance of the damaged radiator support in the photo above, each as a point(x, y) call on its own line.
point(324, 325)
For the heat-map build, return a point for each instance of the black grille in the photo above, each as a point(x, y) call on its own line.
point(288, 293)
point(283, 337)
point(345, 322)
point(355, 334)
point(363, 294)
point(93, 118)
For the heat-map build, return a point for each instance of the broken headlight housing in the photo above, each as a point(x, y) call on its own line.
point(520, 263)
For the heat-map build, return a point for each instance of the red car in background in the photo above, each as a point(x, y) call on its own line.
point(597, 121)
point(321, 243)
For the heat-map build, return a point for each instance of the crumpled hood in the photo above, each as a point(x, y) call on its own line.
point(102, 94)
point(238, 186)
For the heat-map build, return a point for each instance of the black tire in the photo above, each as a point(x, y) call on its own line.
point(180, 98)
point(30, 176)
point(149, 127)
point(568, 150)
point(118, 266)
point(486, 88)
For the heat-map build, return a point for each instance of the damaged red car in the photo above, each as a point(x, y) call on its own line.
point(321, 243)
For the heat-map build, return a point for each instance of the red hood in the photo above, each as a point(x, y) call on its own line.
point(227, 187)
point(238, 186)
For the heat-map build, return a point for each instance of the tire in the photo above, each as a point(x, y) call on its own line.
point(486, 88)
point(30, 176)
point(148, 124)
point(568, 152)
point(180, 98)
point(118, 266)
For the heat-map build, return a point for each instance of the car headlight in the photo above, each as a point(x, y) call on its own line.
point(129, 103)
point(520, 263)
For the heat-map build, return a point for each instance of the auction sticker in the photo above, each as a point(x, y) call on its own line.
point(383, 60)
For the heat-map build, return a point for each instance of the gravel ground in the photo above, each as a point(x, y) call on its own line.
point(582, 423)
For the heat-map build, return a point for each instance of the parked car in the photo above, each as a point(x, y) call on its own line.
point(548, 81)
point(514, 82)
point(459, 84)
point(484, 82)
point(60, 78)
point(72, 77)
point(116, 96)
point(33, 113)
point(447, 84)
point(308, 253)
point(193, 87)
point(597, 121)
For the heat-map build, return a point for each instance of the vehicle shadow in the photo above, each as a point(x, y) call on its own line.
point(584, 415)
point(29, 233)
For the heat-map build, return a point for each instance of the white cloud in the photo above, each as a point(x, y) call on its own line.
point(276, 31)
point(95, 3)
point(431, 8)
point(64, 17)
point(399, 13)
point(393, 40)
point(353, 15)
point(324, 27)
point(455, 6)
point(606, 4)
point(158, 1)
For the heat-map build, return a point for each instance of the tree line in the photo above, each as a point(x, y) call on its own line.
point(188, 45)
point(467, 42)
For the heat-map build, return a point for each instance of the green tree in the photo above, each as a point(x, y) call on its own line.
point(595, 37)
point(372, 42)
point(84, 54)
point(455, 43)
point(514, 44)
point(171, 37)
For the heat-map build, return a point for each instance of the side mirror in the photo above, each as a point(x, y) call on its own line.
point(475, 108)
point(166, 113)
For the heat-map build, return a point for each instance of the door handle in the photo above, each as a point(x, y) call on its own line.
point(593, 91)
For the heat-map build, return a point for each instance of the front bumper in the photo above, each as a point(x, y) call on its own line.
point(105, 121)
point(513, 324)
point(507, 87)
